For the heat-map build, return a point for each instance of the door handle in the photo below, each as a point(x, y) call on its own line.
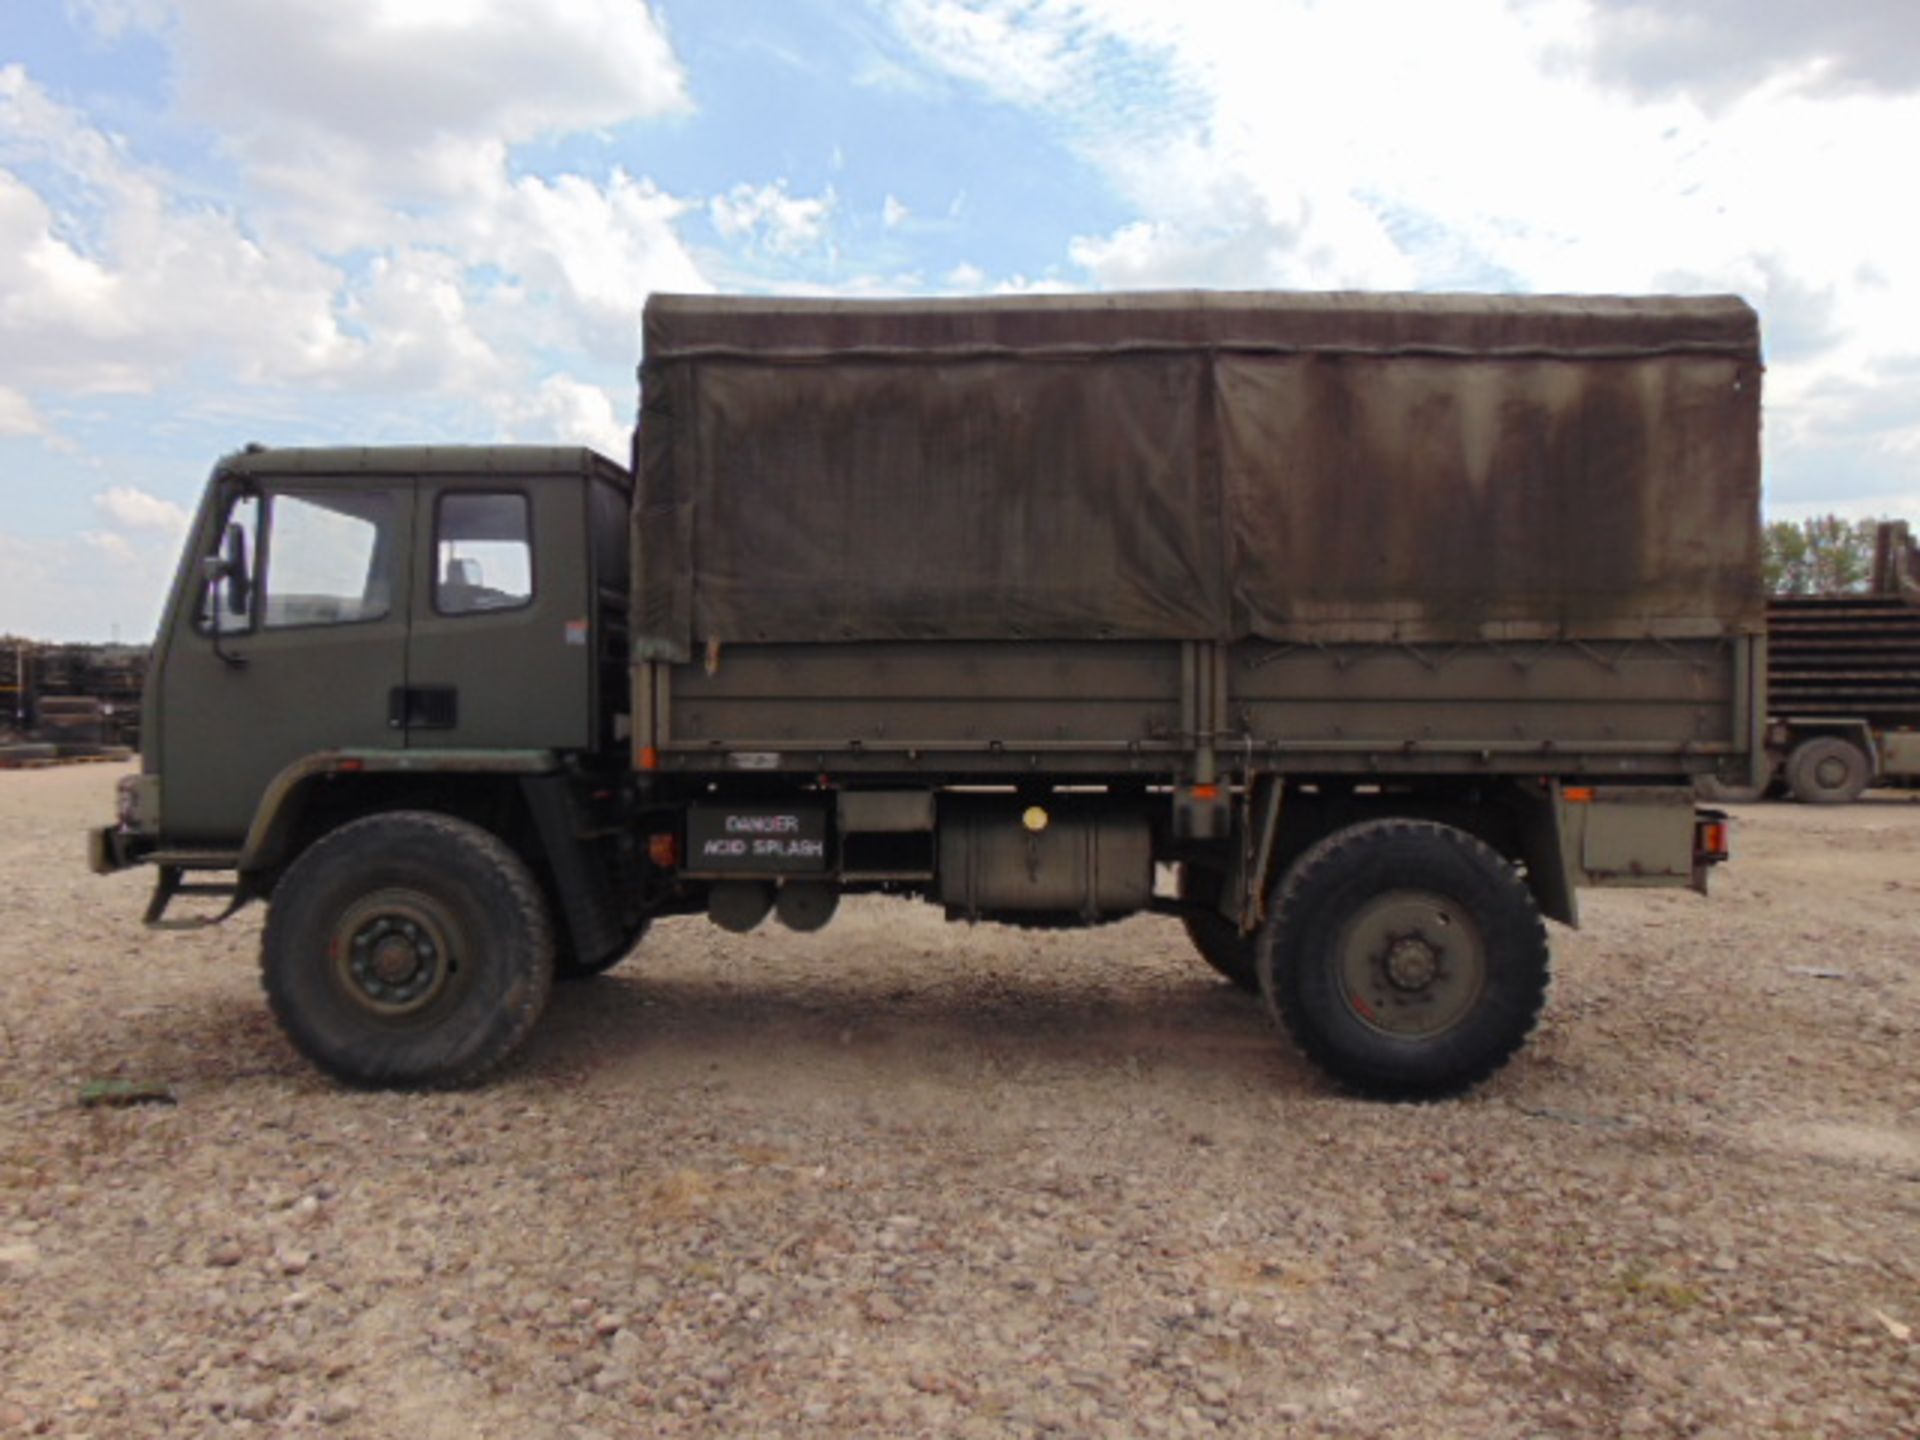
point(423, 707)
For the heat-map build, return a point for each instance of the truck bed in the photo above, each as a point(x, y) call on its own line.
point(1176, 534)
point(1121, 708)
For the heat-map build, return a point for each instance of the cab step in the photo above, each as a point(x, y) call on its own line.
point(172, 883)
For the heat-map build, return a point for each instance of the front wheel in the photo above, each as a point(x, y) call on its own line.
point(1405, 958)
point(407, 949)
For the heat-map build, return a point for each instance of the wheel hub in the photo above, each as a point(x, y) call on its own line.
point(1411, 963)
point(394, 959)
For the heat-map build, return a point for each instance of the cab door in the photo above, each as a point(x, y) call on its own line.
point(499, 655)
point(299, 651)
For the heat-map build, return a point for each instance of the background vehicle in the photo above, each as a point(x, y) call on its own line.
point(1390, 620)
point(1843, 685)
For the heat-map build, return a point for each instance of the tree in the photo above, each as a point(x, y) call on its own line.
point(1823, 555)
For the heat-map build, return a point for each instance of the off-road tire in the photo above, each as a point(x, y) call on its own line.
point(1217, 938)
point(469, 900)
point(1460, 904)
point(569, 967)
point(1827, 770)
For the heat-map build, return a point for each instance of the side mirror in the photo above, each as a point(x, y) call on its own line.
point(228, 587)
point(233, 567)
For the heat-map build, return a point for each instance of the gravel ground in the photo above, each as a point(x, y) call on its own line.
point(901, 1177)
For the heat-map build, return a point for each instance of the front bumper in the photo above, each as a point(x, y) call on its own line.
point(109, 850)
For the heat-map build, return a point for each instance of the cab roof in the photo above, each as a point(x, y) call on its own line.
point(352, 461)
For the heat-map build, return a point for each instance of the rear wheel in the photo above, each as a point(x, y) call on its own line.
point(1828, 771)
point(407, 949)
point(1405, 958)
point(1217, 938)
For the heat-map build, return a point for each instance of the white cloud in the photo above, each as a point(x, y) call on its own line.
point(894, 213)
point(767, 217)
point(116, 287)
point(343, 106)
point(415, 310)
point(567, 411)
point(592, 250)
point(989, 45)
point(17, 415)
point(134, 509)
point(1714, 48)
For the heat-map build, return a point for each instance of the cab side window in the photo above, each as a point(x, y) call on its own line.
point(329, 558)
point(483, 553)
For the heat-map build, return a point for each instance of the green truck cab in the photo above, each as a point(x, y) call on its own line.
point(1388, 622)
point(359, 631)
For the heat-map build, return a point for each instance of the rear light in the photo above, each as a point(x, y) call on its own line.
point(1710, 838)
point(664, 851)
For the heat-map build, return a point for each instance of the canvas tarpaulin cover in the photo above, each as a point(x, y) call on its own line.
point(1299, 467)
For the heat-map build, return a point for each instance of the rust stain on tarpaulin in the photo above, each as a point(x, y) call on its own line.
point(1432, 499)
point(1599, 440)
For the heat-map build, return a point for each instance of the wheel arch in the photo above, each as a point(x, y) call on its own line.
point(1518, 820)
point(319, 792)
point(523, 797)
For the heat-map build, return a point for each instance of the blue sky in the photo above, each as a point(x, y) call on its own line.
point(376, 220)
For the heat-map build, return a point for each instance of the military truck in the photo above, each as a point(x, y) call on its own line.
point(1843, 685)
point(1382, 622)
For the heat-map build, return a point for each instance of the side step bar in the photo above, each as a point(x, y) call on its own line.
point(172, 883)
